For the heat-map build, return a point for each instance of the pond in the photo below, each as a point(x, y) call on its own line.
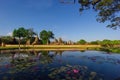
point(59, 65)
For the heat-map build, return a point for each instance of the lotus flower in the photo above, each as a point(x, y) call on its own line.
point(75, 70)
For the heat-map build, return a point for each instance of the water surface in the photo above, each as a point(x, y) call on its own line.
point(59, 65)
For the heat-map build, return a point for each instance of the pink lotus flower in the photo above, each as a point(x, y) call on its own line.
point(75, 70)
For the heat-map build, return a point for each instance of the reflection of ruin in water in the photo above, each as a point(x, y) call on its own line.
point(38, 61)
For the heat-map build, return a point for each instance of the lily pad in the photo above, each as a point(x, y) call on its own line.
point(75, 72)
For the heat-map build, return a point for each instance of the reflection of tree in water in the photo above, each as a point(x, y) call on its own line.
point(22, 62)
point(46, 58)
point(58, 52)
point(24, 65)
point(33, 64)
point(82, 50)
point(102, 59)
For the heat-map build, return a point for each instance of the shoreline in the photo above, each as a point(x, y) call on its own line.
point(60, 48)
point(64, 47)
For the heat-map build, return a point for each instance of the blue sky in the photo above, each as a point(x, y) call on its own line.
point(64, 20)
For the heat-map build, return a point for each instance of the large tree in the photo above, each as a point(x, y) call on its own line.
point(46, 36)
point(107, 10)
point(20, 33)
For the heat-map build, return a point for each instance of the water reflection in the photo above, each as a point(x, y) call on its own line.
point(49, 65)
point(101, 59)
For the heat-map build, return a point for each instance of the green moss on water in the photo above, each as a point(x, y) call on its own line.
point(114, 50)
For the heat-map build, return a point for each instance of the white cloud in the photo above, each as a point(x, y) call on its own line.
point(9, 34)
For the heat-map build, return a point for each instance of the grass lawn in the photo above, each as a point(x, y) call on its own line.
point(64, 47)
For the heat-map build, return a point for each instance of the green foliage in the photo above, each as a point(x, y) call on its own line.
point(8, 40)
point(110, 43)
point(82, 41)
point(108, 10)
point(50, 34)
point(95, 42)
point(30, 33)
point(73, 72)
point(20, 32)
point(115, 50)
point(23, 41)
point(106, 43)
point(46, 36)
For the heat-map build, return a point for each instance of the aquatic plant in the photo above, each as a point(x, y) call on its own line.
point(75, 72)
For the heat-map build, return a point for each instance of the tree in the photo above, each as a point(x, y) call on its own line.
point(82, 41)
point(46, 36)
point(20, 33)
point(7, 39)
point(94, 42)
point(108, 10)
point(30, 33)
point(97, 42)
point(116, 42)
point(107, 43)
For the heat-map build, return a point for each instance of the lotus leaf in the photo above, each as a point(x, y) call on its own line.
point(75, 72)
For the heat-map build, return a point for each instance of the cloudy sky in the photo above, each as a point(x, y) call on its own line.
point(64, 20)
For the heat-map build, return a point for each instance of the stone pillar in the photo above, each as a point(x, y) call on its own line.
point(3, 44)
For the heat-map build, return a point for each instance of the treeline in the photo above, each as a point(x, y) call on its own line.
point(30, 37)
point(103, 43)
point(27, 36)
point(106, 45)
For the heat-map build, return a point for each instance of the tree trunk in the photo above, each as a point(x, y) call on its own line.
point(47, 42)
point(19, 43)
